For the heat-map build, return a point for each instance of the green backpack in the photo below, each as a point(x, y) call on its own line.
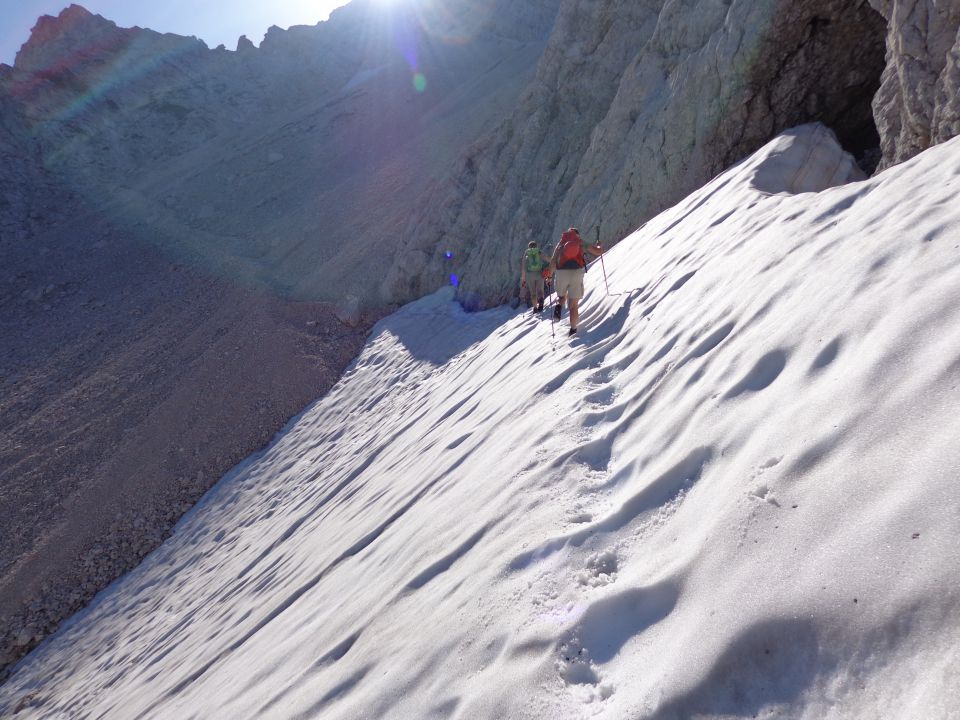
point(535, 261)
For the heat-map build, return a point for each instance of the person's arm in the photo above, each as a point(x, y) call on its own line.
point(552, 266)
point(594, 249)
point(523, 271)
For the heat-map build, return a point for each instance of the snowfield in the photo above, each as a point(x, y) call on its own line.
point(733, 494)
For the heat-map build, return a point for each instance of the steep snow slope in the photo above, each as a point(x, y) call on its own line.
point(734, 493)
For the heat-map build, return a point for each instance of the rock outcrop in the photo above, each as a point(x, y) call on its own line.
point(805, 159)
point(633, 106)
point(918, 104)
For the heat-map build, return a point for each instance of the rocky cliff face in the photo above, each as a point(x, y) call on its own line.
point(298, 163)
point(509, 186)
point(285, 166)
point(633, 106)
point(918, 104)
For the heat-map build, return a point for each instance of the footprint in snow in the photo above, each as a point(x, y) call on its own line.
point(602, 396)
point(605, 627)
point(762, 491)
point(578, 672)
point(601, 569)
point(574, 664)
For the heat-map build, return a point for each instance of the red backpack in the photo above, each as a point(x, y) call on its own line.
point(570, 251)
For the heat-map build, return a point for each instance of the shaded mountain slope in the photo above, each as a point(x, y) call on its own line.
point(171, 220)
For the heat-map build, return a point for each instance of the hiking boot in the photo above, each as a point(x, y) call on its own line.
point(557, 309)
point(573, 331)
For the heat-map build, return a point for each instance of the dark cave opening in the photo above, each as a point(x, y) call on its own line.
point(853, 48)
point(821, 60)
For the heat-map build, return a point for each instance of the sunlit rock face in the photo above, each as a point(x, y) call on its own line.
point(635, 105)
point(918, 104)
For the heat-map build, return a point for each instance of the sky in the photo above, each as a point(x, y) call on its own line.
point(216, 22)
point(733, 493)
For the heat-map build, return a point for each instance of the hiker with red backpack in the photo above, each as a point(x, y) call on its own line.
point(570, 266)
point(531, 275)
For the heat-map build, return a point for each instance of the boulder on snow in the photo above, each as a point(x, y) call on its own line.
point(804, 159)
point(348, 311)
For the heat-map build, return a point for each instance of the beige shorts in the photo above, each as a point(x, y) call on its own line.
point(569, 283)
point(535, 284)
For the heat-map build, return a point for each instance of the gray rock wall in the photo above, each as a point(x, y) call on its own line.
point(699, 99)
point(507, 188)
point(634, 105)
point(299, 163)
point(918, 104)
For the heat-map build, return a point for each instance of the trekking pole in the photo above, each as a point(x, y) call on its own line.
point(553, 318)
point(602, 265)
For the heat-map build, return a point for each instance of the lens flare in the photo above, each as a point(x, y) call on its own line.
point(454, 280)
point(454, 27)
point(448, 254)
point(419, 82)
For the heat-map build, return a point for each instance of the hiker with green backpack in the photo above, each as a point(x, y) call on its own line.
point(570, 265)
point(532, 265)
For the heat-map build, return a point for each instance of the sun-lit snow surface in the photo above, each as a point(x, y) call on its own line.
point(735, 493)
